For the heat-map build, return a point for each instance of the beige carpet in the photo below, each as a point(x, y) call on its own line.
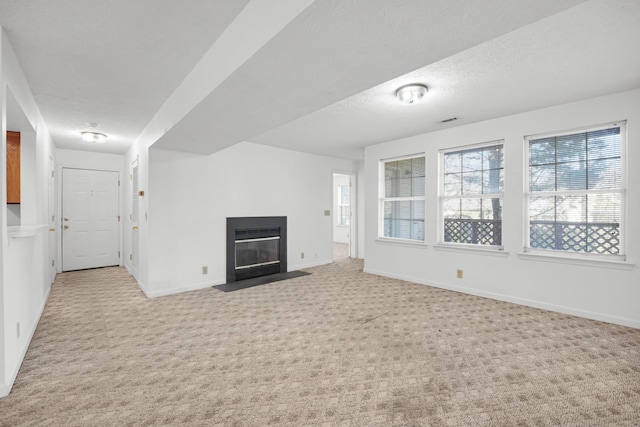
point(340, 251)
point(338, 347)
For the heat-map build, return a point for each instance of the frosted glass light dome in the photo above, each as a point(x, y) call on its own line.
point(95, 137)
point(411, 94)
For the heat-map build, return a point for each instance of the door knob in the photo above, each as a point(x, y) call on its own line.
point(66, 219)
point(52, 229)
point(135, 227)
point(66, 226)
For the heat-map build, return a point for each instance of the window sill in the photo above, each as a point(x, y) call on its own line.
point(619, 264)
point(401, 242)
point(490, 251)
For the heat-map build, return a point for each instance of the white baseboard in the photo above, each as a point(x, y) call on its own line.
point(142, 288)
point(516, 300)
point(203, 285)
point(126, 267)
point(5, 389)
point(309, 265)
point(172, 291)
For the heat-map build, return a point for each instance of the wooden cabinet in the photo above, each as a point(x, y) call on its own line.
point(13, 167)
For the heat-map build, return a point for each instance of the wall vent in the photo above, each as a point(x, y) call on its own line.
point(452, 119)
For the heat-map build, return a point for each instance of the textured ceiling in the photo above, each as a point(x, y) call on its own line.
point(325, 83)
point(336, 49)
point(112, 62)
point(577, 54)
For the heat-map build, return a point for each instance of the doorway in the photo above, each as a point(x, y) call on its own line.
point(89, 219)
point(344, 216)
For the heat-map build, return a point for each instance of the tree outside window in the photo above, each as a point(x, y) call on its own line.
point(472, 193)
point(575, 191)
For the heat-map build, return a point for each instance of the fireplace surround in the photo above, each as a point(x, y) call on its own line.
point(256, 246)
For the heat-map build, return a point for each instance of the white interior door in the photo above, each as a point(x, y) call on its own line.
point(89, 219)
point(134, 217)
point(52, 219)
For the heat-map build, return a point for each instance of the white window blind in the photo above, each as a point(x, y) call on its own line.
point(576, 190)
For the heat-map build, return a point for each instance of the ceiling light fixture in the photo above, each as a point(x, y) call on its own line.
point(95, 137)
point(411, 94)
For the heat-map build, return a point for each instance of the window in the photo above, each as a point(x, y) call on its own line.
point(343, 205)
point(576, 189)
point(402, 198)
point(471, 195)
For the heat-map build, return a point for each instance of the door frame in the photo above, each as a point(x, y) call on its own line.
point(134, 267)
point(353, 209)
point(52, 181)
point(59, 189)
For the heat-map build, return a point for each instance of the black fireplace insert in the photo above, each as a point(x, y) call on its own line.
point(256, 246)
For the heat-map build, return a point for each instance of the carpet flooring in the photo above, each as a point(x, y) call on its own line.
point(340, 251)
point(338, 347)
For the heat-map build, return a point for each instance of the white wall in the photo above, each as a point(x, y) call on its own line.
point(13, 214)
point(340, 232)
point(24, 260)
point(596, 290)
point(90, 160)
point(190, 197)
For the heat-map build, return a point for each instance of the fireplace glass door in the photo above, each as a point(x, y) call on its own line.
point(257, 252)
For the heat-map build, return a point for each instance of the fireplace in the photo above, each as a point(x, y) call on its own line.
point(256, 246)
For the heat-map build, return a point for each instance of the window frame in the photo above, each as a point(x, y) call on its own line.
point(442, 197)
point(622, 191)
point(382, 199)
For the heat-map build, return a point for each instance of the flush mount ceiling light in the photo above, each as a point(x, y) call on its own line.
point(95, 137)
point(411, 94)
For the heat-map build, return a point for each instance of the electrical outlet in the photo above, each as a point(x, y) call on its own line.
point(205, 269)
point(459, 274)
point(301, 255)
point(18, 329)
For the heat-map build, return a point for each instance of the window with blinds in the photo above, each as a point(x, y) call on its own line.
point(576, 191)
point(402, 198)
point(471, 195)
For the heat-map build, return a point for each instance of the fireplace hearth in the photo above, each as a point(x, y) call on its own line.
point(256, 246)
